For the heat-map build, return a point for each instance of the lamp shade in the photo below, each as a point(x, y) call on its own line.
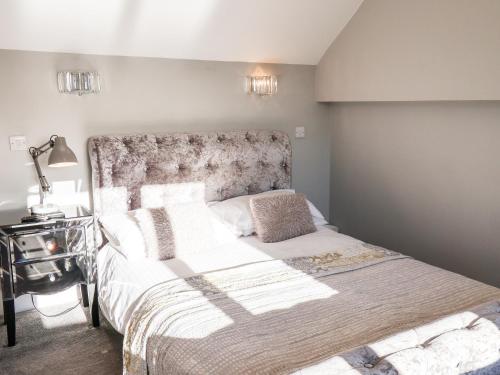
point(61, 155)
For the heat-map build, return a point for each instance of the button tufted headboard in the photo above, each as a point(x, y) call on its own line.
point(229, 163)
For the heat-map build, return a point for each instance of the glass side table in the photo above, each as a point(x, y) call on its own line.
point(45, 258)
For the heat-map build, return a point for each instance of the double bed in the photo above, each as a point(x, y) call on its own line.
point(319, 303)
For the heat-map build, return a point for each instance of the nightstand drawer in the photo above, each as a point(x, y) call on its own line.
point(48, 243)
point(25, 262)
point(47, 276)
point(48, 260)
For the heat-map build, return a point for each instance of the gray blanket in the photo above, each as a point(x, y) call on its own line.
point(368, 312)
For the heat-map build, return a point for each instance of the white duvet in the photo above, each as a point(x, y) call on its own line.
point(122, 282)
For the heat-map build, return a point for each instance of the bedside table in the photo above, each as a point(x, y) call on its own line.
point(46, 257)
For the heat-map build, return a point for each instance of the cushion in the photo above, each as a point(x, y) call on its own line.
point(142, 233)
point(235, 212)
point(195, 229)
point(162, 233)
point(282, 216)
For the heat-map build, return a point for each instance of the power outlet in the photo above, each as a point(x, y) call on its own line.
point(18, 143)
point(300, 132)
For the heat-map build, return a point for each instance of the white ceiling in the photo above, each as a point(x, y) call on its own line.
point(284, 31)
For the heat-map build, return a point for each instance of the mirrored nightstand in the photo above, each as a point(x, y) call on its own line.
point(45, 258)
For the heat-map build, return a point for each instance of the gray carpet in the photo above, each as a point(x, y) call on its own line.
point(64, 345)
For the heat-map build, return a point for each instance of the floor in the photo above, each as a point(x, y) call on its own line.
point(63, 345)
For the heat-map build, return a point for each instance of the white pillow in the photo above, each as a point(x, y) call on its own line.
point(184, 228)
point(136, 233)
point(236, 215)
point(195, 228)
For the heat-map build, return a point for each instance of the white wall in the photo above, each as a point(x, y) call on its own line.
point(415, 50)
point(149, 95)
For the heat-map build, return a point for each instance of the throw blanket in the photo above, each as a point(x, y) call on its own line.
point(306, 315)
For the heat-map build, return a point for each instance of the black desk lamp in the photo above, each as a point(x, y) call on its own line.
point(61, 156)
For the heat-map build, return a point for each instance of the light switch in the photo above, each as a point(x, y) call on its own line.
point(18, 143)
point(300, 132)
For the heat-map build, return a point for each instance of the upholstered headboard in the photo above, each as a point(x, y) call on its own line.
point(229, 163)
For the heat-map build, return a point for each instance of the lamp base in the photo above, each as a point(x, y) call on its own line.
point(44, 209)
point(43, 212)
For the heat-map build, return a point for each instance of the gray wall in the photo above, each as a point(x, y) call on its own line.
point(149, 95)
point(422, 178)
point(409, 50)
point(415, 168)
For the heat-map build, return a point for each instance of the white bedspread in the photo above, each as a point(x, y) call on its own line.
point(122, 282)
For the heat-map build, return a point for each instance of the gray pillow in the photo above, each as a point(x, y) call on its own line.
point(281, 216)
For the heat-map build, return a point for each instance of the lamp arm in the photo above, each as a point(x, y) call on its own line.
point(43, 180)
point(35, 152)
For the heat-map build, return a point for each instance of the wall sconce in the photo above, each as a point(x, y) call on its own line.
point(79, 82)
point(262, 85)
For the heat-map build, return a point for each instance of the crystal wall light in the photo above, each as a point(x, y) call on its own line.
point(79, 82)
point(262, 85)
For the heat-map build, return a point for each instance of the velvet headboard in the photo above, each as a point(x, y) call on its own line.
point(229, 163)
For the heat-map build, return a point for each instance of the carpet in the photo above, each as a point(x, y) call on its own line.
point(64, 345)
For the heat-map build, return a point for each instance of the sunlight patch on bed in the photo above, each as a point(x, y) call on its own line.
point(269, 286)
point(226, 256)
point(198, 321)
point(184, 312)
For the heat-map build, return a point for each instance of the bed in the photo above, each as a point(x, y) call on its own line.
point(319, 303)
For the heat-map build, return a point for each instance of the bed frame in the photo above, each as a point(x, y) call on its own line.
point(229, 163)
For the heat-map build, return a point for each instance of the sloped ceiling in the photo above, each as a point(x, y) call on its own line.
point(281, 31)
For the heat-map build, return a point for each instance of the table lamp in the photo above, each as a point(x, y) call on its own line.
point(60, 156)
